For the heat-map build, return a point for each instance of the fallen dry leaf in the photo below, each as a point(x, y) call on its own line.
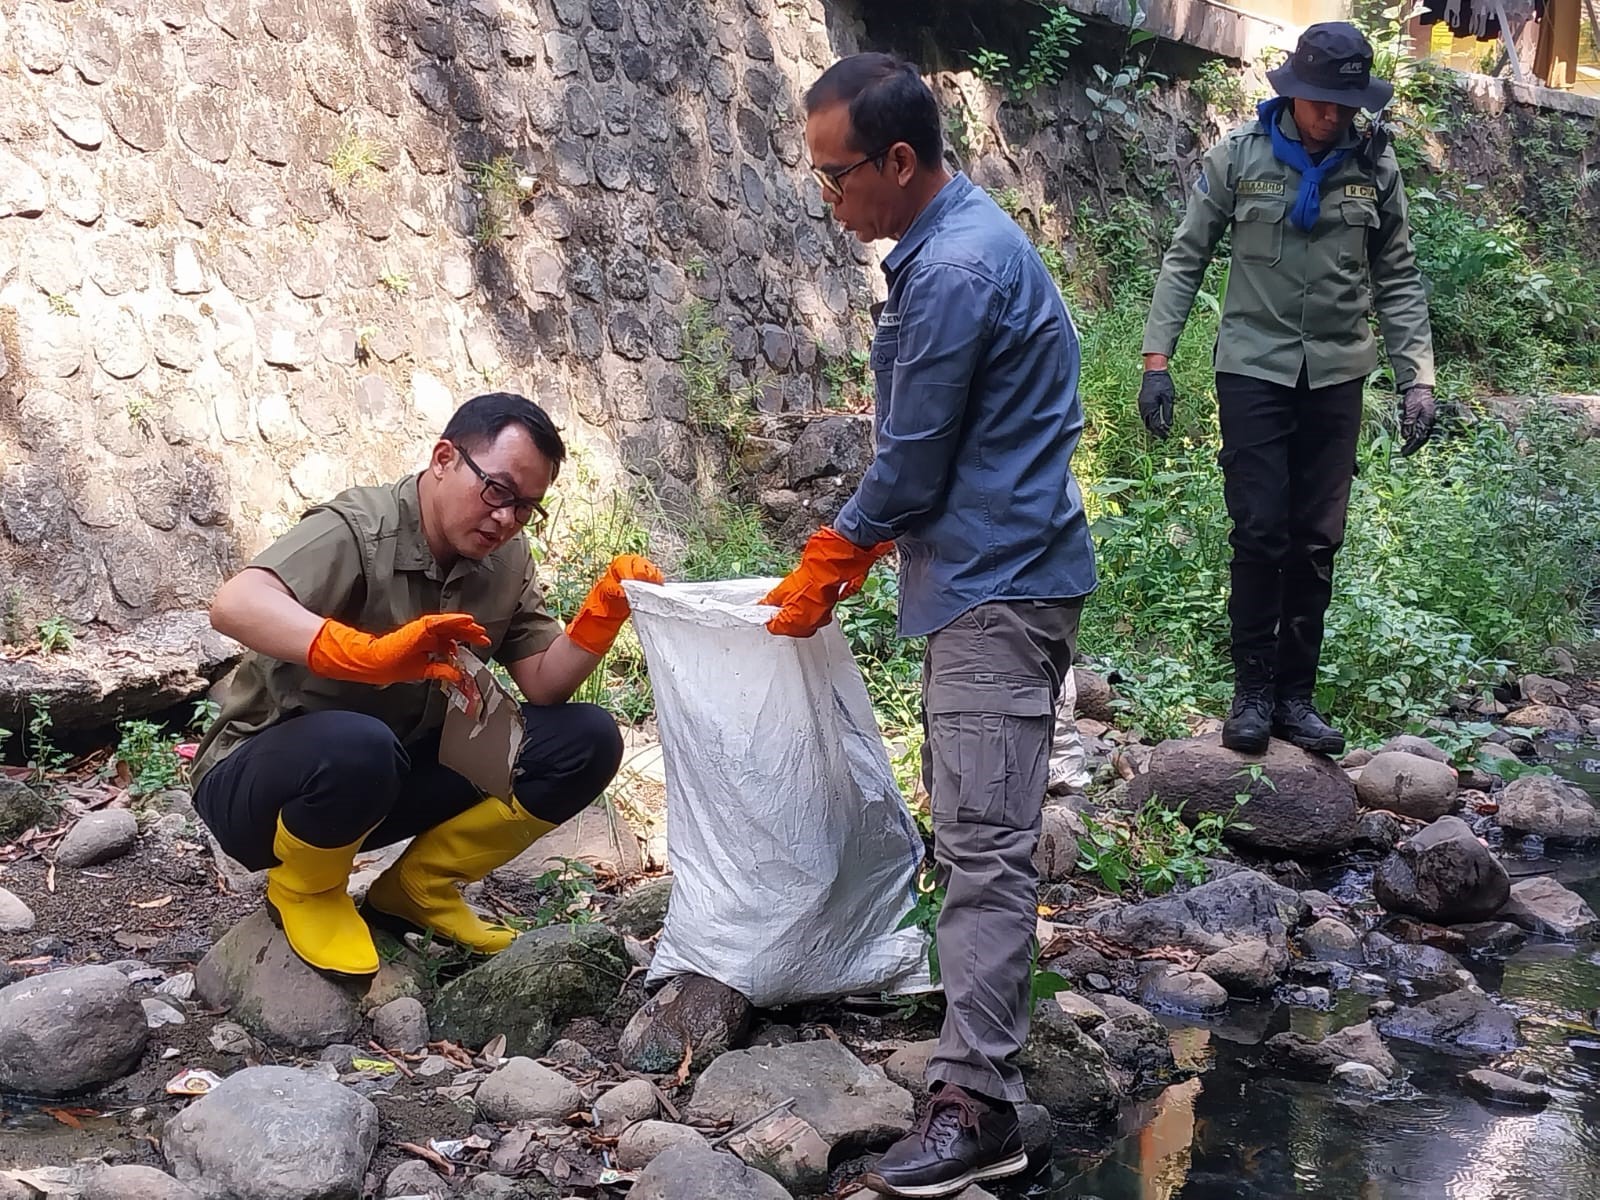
point(429, 1156)
point(158, 902)
point(681, 1076)
point(50, 879)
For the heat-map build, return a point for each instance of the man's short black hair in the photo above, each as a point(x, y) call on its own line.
point(480, 420)
point(888, 102)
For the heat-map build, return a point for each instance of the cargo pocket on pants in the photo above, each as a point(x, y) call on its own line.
point(990, 742)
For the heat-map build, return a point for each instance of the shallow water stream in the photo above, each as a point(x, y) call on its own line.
point(1240, 1132)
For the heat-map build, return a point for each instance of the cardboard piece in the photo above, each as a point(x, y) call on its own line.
point(483, 730)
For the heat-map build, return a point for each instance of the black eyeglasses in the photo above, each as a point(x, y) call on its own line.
point(496, 495)
point(828, 181)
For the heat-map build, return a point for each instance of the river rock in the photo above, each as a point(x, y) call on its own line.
point(629, 1102)
point(1409, 785)
point(695, 1173)
point(1360, 1077)
point(523, 1090)
point(908, 1066)
point(415, 1179)
point(1137, 1044)
point(1309, 811)
point(136, 1183)
point(1410, 743)
point(1331, 940)
point(99, 838)
point(1066, 1071)
point(274, 1133)
point(1554, 720)
point(1492, 937)
point(21, 808)
point(15, 916)
point(1442, 873)
point(599, 836)
point(1541, 905)
point(643, 910)
point(1379, 831)
point(1248, 969)
point(1095, 697)
point(642, 1144)
point(688, 1011)
point(1549, 807)
point(69, 1031)
point(1505, 1089)
point(1167, 989)
point(851, 1107)
point(540, 982)
point(254, 974)
point(401, 1024)
point(1464, 1018)
point(1243, 906)
point(1318, 1060)
point(1056, 855)
point(1413, 961)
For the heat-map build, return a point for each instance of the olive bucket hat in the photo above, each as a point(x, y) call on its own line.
point(1333, 63)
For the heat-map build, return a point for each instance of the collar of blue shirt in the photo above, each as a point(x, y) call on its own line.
point(951, 194)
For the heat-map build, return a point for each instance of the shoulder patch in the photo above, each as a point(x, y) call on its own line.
point(1202, 184)
point(1360, 191)
point(1260, 187)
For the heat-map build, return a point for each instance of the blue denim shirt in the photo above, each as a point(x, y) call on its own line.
point(976, 366)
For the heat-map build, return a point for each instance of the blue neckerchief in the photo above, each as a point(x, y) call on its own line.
point(1308, 204)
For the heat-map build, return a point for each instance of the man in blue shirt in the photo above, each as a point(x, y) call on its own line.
point(976, 368)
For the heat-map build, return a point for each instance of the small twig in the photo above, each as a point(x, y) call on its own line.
point(400, 1066)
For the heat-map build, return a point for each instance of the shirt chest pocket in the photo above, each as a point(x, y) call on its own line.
point(885, 349)
point(1258, 231)
point(1359, 219)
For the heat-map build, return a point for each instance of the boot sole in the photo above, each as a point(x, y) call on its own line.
point(1245, 745)
point(327, 973)
point(1014, 1165)
point(1328, 747)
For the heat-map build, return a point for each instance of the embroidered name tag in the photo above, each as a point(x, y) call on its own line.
point(1260, 187)
point(1360, 191)
point(888, 320)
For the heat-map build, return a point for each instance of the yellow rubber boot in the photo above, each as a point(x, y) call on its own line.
point(306, 892)
point(419, 892)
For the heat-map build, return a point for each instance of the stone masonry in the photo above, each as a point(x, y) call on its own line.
point(255, 253)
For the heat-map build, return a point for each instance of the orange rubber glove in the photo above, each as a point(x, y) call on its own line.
point(600, 619)
point(831, 568)
point(412, 653)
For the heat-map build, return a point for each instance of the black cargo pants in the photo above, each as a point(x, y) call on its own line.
point(1288, 458)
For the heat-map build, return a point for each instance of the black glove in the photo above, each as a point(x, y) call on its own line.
point(1156, 399)
point(1417, 415)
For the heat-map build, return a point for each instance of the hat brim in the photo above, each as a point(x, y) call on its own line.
point(1374, 97)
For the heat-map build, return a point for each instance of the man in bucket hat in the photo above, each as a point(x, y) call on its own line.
point(1320, 237)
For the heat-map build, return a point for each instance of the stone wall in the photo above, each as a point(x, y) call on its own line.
point(251, 256)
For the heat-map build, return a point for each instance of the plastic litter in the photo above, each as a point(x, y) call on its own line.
point(193, 1082)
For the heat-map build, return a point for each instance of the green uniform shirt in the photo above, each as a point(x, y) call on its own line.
point(1295, 298)
point(361, 559)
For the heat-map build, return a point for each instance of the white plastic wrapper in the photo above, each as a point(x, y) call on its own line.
point(792, 853)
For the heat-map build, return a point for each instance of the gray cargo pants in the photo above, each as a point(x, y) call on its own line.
point(990, 681)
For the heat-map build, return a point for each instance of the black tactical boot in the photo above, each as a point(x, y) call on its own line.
point(961, 1140)
point(1248, 728)
point(1296, 719)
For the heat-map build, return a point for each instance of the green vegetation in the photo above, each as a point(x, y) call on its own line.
point(397, 281)
point(42, 755)
point(849, 379)
point(62, 306)
point(354, 161)
point(149, 755)
point(1153, 848)
point(718, 400)
point(1220, 84)
point(565, 896)
point(1045, 64)
point(55, 635)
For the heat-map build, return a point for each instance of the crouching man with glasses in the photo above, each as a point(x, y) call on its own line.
point(328, 740)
